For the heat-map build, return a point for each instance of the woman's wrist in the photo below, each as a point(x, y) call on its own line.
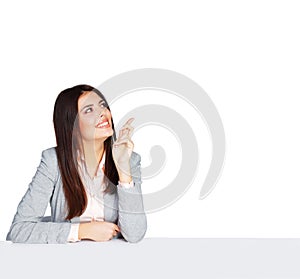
point(125, 178)
point(124, 174)
point(83, 231)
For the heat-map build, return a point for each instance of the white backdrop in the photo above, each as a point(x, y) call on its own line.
point(244, 54)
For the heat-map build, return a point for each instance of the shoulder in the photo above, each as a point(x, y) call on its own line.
point(49, 154)
point(49, 161)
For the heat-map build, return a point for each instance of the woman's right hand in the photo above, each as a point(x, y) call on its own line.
point(98, 231)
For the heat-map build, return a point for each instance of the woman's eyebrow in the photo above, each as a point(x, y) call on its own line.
point(87, 106)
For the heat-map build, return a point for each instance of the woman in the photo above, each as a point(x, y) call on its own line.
point(92, 180)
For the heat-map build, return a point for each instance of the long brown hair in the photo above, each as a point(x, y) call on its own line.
point(65, 120)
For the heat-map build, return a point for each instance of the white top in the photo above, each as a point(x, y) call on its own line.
point(94, 189)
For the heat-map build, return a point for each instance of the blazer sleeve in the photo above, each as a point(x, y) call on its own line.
point(28, 225)
point(132, 218)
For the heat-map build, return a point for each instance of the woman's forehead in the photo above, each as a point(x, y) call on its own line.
point(88, 98)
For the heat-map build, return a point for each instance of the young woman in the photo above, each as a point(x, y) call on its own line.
point(92, 180)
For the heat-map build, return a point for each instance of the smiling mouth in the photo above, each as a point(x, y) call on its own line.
point(103, 125)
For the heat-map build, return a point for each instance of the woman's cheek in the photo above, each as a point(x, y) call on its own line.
point(87, 128)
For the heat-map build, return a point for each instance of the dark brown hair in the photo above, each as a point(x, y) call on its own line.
point(65, 120)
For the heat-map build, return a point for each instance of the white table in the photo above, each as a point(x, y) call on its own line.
point(154, 258)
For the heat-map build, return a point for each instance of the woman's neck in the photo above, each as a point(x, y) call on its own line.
point(93, 152)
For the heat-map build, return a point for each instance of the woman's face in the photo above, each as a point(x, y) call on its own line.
point(94, 117)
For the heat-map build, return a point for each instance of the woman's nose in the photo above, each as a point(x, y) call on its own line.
point(101, 112)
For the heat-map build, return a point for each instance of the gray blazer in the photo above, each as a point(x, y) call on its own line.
point(124, 207)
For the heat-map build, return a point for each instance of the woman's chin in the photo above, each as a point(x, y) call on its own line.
point(104, 134)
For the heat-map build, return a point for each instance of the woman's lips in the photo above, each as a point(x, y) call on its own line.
point(103, 124)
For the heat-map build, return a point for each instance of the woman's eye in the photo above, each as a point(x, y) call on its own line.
point(103, 105)
point(88, 110)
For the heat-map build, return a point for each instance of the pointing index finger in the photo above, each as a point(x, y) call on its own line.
point(129, 121)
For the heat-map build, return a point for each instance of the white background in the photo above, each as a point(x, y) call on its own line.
point(244, 54)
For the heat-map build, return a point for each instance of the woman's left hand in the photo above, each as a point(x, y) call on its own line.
point(122, 150)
